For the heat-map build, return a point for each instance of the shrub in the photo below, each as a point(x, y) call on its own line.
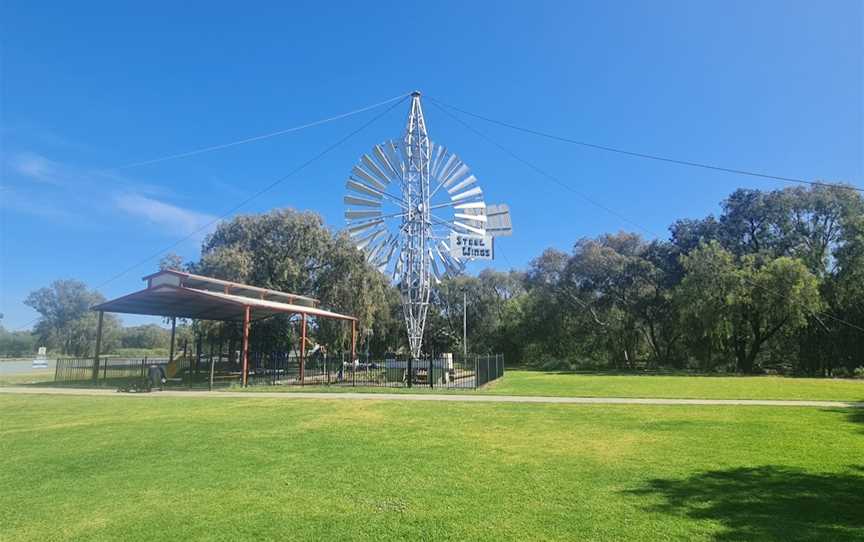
point(858, 372)
point(556, 365)
point(841, 372)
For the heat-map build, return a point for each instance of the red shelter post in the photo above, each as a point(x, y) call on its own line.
point(354, 341)
point(246, 317)
point(303, 347)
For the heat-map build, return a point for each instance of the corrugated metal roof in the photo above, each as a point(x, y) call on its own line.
point(201, 282)
point(184, 302)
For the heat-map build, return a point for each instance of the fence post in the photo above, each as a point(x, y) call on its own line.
point(431, 371)
point(98, 348)
point(476, 373)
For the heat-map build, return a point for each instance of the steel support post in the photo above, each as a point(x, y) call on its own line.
point(354, 341)
point(247, 315)
point(173, 331)
point(303, 348)
point(98, 346)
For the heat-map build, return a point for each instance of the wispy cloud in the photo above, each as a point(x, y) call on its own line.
point(35, 167)
point(15, 201)
point(170, 218)
point(30, 168)
point(37, 185)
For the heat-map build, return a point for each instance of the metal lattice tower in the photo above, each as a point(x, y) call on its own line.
point(415, 281)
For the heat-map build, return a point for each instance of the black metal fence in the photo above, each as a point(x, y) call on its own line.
point(111, 371)
point(448, 371)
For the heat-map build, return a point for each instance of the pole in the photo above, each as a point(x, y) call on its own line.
point(212, 367)
point(465, 324)
point(302, 348)
point(476, 371)
point(354, 341)
point(173, 330)
point(98, 347)
point(246, 316)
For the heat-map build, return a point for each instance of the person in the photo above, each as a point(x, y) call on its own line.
point(156, 376)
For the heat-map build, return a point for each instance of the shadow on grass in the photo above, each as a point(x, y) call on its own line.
point(768, 503)
point(856, 415)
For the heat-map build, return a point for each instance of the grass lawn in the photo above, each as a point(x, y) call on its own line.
point(554, 384)
point(145, 468)
point(683, 387)
point(41, 376)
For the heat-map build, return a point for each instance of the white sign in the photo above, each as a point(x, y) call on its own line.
point(469, 246)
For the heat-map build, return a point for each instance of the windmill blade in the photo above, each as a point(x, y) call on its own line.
point(393, 245)
point(469, 180)
point(362, 174)
point(437, 160)
point(397, 269)
point(376, 184)
point(472, 229)
point(384, 252)
point(443, 259)
point(373, 250)
point(476, 191)
point(435, 271)
point(477, 218)
point(353, 200)
point(452, 265)
point(364, 242)
point(373, 168)
point(351, 184)
point(448, 165)
point(393, 157)
point(389, 168)
point(358, 229)
point(471, 205)
point(354, 215)
point(455, 175)
point(403, 152)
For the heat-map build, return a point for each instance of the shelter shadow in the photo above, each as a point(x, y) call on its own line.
point(770, 503)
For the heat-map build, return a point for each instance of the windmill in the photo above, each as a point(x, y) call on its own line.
point(418, 213)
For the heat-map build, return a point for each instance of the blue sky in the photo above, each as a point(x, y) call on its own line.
point(88, 86)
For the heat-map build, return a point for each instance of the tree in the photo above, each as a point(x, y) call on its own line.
point(16, 343)
point(66, 323)
point(148, 336)
point(293, 251)
point(171, 261)
point(742, 305)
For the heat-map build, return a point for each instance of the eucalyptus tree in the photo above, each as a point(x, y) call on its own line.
point(66, 323)
point(293, 251)
point(740, 305)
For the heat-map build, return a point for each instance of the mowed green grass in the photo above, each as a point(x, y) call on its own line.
point(164, 468)
point(555, 384)
point(684, 387)
point(31, 377)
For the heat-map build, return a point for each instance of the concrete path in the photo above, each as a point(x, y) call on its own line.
point(478, 398)
point(25, 366)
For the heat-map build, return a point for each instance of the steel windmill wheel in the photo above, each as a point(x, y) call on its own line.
point(405, 199)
